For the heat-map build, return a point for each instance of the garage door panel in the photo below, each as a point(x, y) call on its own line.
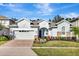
point(24, 35)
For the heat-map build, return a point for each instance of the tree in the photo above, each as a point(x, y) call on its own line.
point(69, 19)
point(76, 31)
point(57, 18)
point(49, 20)
point(14, 19)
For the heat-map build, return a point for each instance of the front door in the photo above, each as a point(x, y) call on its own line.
point(43, 32)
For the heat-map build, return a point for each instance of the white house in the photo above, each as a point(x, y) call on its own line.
point(44, 24)
point(62, 29)
point(24, 31)
point(43, 28)
point(5, 21)
point(53, 32)
point(23, 23)
point(75, 23)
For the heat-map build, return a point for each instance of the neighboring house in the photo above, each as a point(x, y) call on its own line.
point(75, 23)
point(4, 32)
point(5, 21)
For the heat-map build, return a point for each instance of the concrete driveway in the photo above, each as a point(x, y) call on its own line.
point(19, 43)
point(17, 48)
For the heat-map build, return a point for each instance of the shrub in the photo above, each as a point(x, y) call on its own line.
point(3, 38)
point(43, 40)
point(9, 37)
point(48, 38)
point(74, 38)
point(37, 40)
point(62, 38)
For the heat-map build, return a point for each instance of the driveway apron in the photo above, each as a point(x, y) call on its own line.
point(17, 48)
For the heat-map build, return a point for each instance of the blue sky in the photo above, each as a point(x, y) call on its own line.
point(39, 10)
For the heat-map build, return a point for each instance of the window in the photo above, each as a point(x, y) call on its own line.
point(31, 23)
point(63, 30)
point(25, 30)
point(55, 24)
point(22, 31)
point(49, 23)
point(37, 23)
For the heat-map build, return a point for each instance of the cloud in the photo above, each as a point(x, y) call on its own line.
point(11, 6)
point(8, 4)
point(67, 6)
point(44, 8)
point(14, 8)
point(70, 15)
point(21, 11)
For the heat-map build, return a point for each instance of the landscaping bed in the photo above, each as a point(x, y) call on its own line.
point(57, 43)
point(4, 39)
point(56, 52)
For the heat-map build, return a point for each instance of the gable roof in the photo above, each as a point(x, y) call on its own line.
point(62, 21)
point(44, 21)
point(22, 20)
point(4, 18)
point(74, 20)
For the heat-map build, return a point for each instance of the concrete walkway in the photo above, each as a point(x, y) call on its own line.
point(17, 48)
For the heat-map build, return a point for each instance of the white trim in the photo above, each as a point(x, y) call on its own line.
point(21, 19)
point(62, 21)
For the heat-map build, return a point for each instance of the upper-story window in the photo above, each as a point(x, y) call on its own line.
point(3, 21)
point(63, 30)
point(37, 23)
point(49, 23)
point(31, 23)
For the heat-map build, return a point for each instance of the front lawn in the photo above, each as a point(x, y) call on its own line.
point(56, 52)
point(57, 44)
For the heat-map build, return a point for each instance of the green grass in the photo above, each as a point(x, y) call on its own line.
point(56, 52)
point(2, 42)
point(57, 44)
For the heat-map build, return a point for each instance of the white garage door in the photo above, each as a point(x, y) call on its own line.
point(24, 34)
